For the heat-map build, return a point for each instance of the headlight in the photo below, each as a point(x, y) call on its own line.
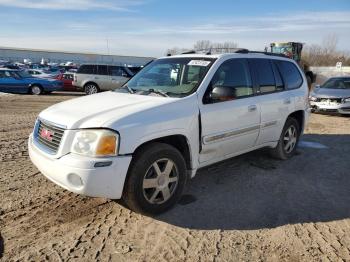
point(346, 100)
point(95, 143)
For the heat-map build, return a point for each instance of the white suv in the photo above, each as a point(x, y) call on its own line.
point(142, 142)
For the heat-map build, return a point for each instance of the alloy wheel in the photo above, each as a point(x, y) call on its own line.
point(160, 181)
point(36, 90)
point(290, 139)
point(91, 89)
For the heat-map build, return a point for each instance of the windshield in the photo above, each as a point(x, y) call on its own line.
point(171, 76)
point(337, 83)
point(23, 74)
point(285, 50)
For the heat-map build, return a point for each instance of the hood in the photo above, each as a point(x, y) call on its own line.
point(96, 110)
point(330, 93)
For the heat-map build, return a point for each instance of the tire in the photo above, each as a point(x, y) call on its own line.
point(91, 89)
point(152, 190)
point(291, 131)
point(36, 90)
point(309, 82)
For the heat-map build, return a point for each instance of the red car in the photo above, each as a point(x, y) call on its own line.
point(67, 79)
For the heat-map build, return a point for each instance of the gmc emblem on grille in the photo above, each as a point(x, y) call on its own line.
point(46, 134)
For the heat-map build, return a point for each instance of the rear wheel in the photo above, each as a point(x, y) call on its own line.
point(91, 89)
point(156, 179)
point(288, 141)
point(36, 90)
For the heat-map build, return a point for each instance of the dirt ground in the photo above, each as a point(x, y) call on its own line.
point(251, 208)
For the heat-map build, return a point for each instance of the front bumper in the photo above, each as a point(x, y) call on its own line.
point(343, 108)
point(78, 174)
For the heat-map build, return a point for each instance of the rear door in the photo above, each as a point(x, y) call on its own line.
point(103, 79)
point(231, 126)
point(274, 102)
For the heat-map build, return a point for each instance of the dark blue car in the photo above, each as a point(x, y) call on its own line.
point(18, 81)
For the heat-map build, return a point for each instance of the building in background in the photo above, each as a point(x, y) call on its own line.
point(36, 56)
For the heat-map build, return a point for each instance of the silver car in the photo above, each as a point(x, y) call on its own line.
point(93, 78)
point(332, 96)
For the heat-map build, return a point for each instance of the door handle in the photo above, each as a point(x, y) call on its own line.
point(287, 101)
point(97, 78)
point(252, 108)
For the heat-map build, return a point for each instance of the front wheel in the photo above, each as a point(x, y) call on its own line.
point(156, 179)
point(288, 141)
point(36, 90)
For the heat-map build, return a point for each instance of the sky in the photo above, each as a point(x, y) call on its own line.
point(150, 27)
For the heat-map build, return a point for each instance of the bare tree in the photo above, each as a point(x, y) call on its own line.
point(205, 45)
point(175, 51)
point(325, 54)
point(202, 45)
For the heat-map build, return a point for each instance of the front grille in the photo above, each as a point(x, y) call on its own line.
point(49, 136)
point(332, 100)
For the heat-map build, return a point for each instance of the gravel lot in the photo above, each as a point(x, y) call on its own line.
point(248, 208)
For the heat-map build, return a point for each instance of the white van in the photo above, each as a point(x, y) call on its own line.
point(143, 141)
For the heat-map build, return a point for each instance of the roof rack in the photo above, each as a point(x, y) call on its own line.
point(231, 50)
point(268, 53)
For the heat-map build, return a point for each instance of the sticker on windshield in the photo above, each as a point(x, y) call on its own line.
point(198, 63)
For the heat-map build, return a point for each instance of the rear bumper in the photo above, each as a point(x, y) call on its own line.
point(78, 174)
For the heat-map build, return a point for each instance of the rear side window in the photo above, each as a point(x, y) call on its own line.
point(278, 77)
point(290, 74)
point(264, 75)
point(235, 74)
point(102, 70)
point(87, 69)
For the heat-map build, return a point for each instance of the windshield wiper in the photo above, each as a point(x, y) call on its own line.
point(159, 92)
point(131, 91)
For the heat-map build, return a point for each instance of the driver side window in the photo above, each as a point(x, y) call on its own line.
point(234, 74)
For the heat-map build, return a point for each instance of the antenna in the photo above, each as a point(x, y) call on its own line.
point(107, 42)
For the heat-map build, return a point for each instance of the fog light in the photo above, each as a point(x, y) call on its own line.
point(75, 180)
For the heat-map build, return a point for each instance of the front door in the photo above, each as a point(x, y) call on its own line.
point(230, 126)
point(118, 76)
point(11, 83)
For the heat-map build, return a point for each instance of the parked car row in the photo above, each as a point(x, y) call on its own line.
point(90, 78)
point(19, 81)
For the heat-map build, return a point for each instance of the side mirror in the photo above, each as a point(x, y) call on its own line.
point(222, 93)
point(317, 86)
point(124, 74)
